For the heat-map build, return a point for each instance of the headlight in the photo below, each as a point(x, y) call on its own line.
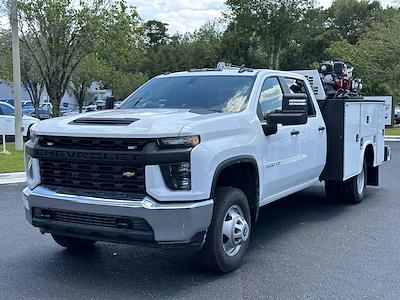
point(182, 141)
point(177, 176)
point(32, 171)
point(33, 137)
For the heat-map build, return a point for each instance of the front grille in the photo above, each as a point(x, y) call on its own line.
point(96, 175)
point(92, 143)
point(120, 222)
point(96, 164)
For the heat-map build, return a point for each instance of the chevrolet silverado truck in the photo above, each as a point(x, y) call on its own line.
point(187, 160)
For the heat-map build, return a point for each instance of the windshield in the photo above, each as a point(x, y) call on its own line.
point(216, 93)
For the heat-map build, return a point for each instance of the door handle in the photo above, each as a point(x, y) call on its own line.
point(321, 128)
point(294, 132)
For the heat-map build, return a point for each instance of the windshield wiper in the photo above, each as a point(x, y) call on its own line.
point(138, 100)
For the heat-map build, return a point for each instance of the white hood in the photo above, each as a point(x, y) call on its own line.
point(149, 123)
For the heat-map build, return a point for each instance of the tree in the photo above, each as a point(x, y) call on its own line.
point(375, 57)
point(273, 22)
point(31, 79)
point(5, 56)
point(30, 75)
point(353, 17)
point(123, 84)
point(379, 56)
point(122, 51)
point(89, 70)
point(156, 33)
point(59, 35)
point(122, 40)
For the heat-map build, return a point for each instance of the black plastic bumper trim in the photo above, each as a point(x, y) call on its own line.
point(120, 236)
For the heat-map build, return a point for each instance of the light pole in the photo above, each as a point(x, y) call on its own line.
point(19, 145)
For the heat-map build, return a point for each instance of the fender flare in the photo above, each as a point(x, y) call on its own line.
point(364, 151)
point(28, 131)
point(233, 161)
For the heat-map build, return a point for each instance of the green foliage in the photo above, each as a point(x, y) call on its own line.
point(58, 35)
point(69, 46)
point(272, 23)
point(30, 74)
point(124, 84)
point(89, 70)
point(376, 57)
point(5, 56)
point(155, 33)
point(353, 17)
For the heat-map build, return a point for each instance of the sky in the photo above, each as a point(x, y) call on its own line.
point(188, 15)
point(181, 15)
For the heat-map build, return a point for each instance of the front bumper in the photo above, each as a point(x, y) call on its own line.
point(172, 224)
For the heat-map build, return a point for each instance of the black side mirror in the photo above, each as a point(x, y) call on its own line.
point(269, 129)
point(294, 111)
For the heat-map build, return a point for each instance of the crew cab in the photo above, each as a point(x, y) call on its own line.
point(187, 160)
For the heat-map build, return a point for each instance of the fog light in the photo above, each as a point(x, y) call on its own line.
point(177, 176)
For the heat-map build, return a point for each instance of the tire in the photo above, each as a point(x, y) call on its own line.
point(73, 243)
point(220, 253)
point(350, 191)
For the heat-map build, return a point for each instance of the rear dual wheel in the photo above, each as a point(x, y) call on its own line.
point(350, 191)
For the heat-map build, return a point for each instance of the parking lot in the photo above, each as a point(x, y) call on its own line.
point(302, 247)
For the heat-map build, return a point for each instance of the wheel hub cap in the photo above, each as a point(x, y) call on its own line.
point(235, 230)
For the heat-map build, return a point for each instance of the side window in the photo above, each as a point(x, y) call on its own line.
point(1, 111)
point(6, 110)
point(271, 96)
point(297, 86)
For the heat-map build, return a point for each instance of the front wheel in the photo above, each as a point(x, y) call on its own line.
point(229, 233)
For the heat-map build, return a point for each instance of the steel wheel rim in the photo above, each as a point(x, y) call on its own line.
point(235, 230)
point(360, 182)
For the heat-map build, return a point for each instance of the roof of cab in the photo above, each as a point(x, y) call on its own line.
point(227, 72)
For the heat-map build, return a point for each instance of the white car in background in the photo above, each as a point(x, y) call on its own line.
point(85, 109)
point(7, 120)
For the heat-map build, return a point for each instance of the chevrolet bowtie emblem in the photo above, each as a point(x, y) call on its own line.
point(128, 174)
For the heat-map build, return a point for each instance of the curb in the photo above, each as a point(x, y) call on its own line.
point(392, 138)
point(8, 178)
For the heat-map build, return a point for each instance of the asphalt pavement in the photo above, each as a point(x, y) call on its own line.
point(303, 247)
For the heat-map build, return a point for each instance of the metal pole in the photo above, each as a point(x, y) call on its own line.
point(4, 145)
point(16, 76)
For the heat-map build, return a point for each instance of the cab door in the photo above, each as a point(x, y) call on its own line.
point(281, 151)
point(312, 135)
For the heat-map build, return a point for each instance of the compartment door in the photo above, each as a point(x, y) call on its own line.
point(380, 134)
point(352, 150)
point(369, 121)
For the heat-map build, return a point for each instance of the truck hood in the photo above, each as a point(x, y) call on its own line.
point(141, 123)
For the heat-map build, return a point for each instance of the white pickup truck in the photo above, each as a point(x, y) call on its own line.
point(188, 159)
